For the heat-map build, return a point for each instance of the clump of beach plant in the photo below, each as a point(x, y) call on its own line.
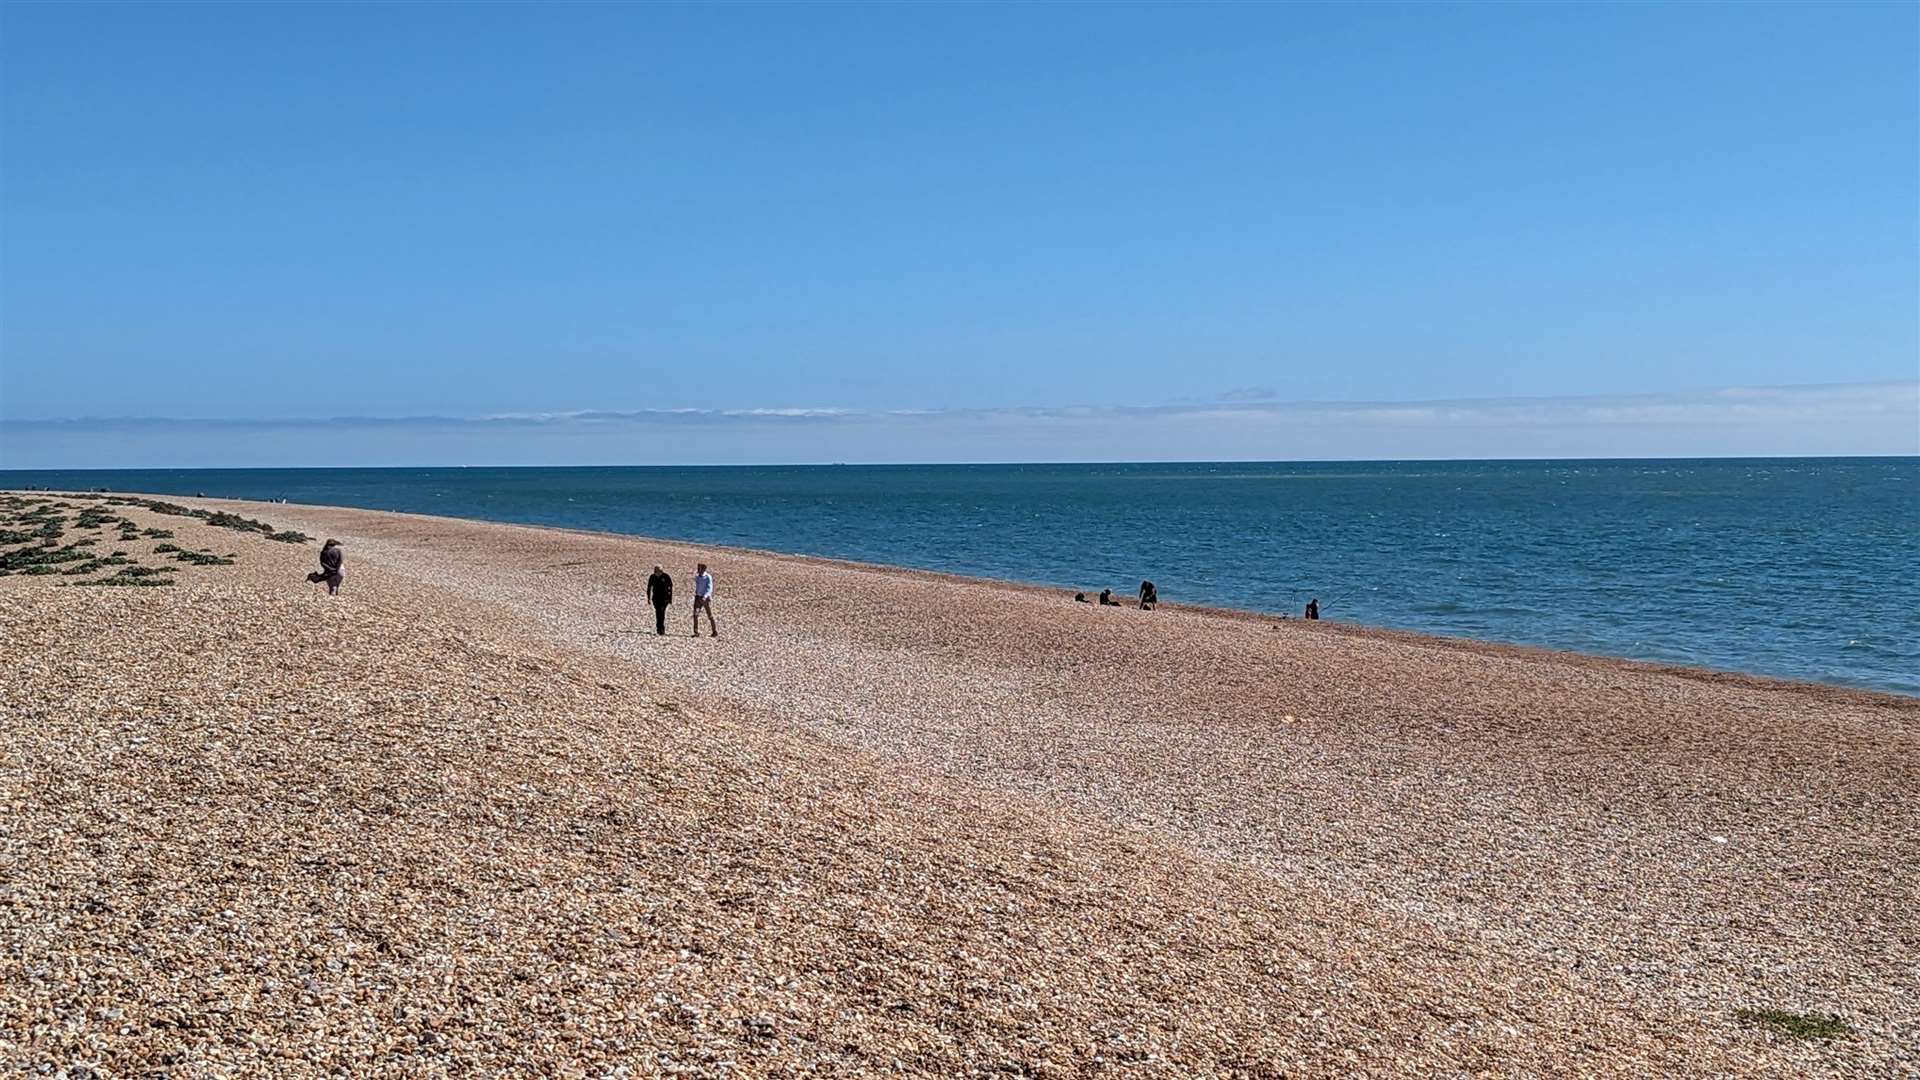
point(1803, 1026)
point(43, 521)
point(220, 518)
point(138, 582)
point(200, 559)
point(31, 560)
point(162, 549)
point(157, 534)
point(91, 565)
point(240, 524)
point(94, 517)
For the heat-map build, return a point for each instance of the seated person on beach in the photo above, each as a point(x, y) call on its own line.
point(1107, 600)
point(1079, 598)
point(1149, 595)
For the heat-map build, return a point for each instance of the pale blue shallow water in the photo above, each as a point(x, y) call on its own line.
point(1804, 568)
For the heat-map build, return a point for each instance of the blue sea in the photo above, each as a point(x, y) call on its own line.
point(1803, 568)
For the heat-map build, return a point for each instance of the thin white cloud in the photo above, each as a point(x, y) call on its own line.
point(1250, 393)
point(1877, 418)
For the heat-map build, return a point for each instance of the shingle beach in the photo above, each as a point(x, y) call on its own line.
point(471, 817)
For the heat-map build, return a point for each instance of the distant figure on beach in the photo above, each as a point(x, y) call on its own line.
point(1313, 608)
point(332, 555)
point(1149, 595)
point(1079, 598)
point(703, 600)
point(660, 595)
point(1107, 600)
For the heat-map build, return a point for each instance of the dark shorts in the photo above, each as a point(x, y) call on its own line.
point(702, 601)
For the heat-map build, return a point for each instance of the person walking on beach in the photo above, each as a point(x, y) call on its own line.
point(703, 600)
point(660, 595)
point(332, 556)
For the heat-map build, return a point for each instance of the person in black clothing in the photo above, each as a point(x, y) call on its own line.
point(1107, 600)
point(1149, 595)
point(1313, 608)
point(332, 555)
point(660, 595)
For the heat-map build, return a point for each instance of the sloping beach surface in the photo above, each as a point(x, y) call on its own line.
point(472, 817)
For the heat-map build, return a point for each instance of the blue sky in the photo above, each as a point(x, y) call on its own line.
point(270, 215)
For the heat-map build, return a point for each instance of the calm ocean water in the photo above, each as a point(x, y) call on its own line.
point(1806, 568)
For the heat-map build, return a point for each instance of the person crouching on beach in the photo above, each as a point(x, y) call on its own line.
point(660, 595)
point(703, 600)
point(1149, 595)
point(332, 555)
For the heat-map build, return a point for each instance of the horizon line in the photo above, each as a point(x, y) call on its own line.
point(1595, 459)
point(1243, 400)
point(1875, 419)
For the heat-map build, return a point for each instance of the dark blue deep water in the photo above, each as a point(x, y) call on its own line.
point(1805, 568)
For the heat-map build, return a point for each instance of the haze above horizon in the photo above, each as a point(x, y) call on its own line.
point(907, 233)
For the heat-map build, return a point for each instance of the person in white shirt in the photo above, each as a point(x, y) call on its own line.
point(703, 600)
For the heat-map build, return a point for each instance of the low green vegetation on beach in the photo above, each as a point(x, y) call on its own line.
point(219, 518)
point(32, 530)
point(203, 559)
point(91, 565)
point(1804, 1026)
point(138, 576)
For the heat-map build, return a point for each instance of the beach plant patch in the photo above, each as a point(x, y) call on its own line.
point(137, 582)
point(201, 559)
point(31, 529)
point(219, 518)
point(94, 517)
point(39, 559)
point(91, 565)
point(225, 520)
point(32, 520)
point(1803, 1026)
